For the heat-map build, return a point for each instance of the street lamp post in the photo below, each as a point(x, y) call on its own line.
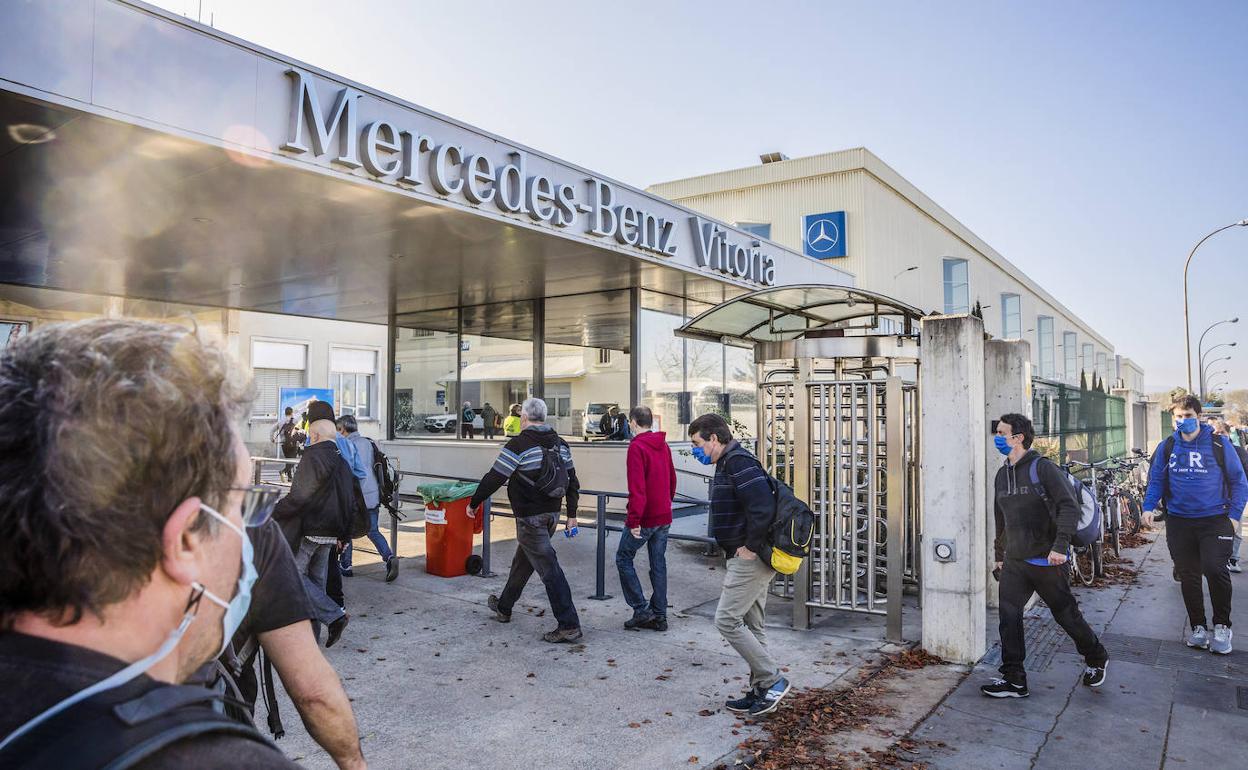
point(1202, 361)
point(1200, 345)
point(906, 270)
point(1204, 373)
point(1187, 321)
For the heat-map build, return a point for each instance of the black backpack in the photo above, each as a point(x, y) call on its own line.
point(288, 436)
point(114, 730)
point(791, 530)
point(552, 476)
point(387, 481)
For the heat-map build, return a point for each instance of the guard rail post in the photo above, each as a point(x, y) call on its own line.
point(600, 583)
point(485, 540)
point(257, 465)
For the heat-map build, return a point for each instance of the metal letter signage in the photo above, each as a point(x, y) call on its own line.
point(409, 158)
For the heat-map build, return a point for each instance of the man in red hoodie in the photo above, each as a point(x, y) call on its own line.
point(651, 488)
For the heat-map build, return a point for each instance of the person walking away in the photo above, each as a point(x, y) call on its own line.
point(511, 425)
point(288, 437)
point(314, 517)
point(466, 416)
point(1200, 480)
point(651, 489)
point(323, 410)
point(349, 429)
point(1034, 528)
point(537, 468)
point(489, 421)
point(743, 506)
point(1223, 428)
point(114, 594)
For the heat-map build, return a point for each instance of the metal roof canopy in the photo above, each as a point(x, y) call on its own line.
point(787, 313)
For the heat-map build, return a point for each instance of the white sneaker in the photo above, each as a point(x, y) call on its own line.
point(1221, 643)
point(1199, 638)
point(1233, 566)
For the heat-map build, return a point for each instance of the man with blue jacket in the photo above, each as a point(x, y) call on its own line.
point(1200, 479)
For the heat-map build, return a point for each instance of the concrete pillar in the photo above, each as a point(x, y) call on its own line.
point(954, 432)
point(1007, 389)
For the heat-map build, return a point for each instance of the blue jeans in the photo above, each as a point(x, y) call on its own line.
point(655, 540)
point(374, 534)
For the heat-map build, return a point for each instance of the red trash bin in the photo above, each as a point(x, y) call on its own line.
point(448, 537)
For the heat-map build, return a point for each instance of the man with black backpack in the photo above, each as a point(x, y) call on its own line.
point(289, 438)
point(537, 468)
point(743, 508)
point(1200, 480)
point(370, 487)
point(1037, 514)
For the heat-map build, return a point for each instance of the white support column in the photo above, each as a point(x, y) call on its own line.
point(953, 464)
point(1007, 390)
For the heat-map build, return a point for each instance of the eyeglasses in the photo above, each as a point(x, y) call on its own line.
point(258, 502)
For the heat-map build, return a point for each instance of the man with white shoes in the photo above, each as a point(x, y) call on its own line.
point(1201, 480)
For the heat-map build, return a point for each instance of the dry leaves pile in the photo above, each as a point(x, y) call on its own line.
point(1133, 541)
point(795, 734)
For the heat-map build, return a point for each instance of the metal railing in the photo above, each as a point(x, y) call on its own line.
point(600, 525)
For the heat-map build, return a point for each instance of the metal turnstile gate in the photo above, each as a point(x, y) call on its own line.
point(851, 445)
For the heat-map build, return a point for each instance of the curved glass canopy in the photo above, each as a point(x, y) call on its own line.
point(784, 313)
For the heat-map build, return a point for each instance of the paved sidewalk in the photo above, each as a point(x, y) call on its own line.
point(1163, 705)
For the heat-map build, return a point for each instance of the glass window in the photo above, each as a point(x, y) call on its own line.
point(1102, 370)
point(957, 289)
point(1011, 317)
point(424, 377)
point(276, 365)
point(662, 362)
point(496, 362)
point(741, 383)
point(1044, 336)
point(10, 331)
point(1070, 350)
point(587, 362)
point(1087, 361)
point(352, 374)
point(761, 229)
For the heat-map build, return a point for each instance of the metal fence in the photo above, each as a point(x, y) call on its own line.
point(1076, 424)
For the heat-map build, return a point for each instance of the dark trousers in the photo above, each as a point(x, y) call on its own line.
point(655, 541)
point(534, 553)
point(1018, 581)
point(489, 431)
point(333, 580)
point(1202, 547)
point(469, 431)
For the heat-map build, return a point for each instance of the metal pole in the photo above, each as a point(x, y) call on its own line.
point(485, 541)
point(896, 525)
point(539, 348)
point(257, 465)
point(1200, 347)
point(800, 480)
point(600, 576)
point(394, 520)
point(1187, 322)
point(634, 346)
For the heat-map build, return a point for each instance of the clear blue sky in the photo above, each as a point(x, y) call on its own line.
point(1091, 143)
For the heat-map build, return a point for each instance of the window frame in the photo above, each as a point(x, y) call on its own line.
point(947, 265)
point(253, 417)
point(374, 385)
point(1017, 315)
point(1048, 359)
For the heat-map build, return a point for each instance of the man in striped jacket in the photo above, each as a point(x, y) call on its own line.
point(519, 465)
point(743, 506)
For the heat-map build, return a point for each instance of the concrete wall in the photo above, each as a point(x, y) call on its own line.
point(953, 482)
point(1007, 389)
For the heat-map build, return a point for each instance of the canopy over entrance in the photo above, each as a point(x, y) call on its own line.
point(786, 313)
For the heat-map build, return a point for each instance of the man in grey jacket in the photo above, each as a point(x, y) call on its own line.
point(350, 429)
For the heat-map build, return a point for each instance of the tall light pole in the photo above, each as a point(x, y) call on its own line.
point(1187, 321)
point(1204, 373)
point(1200, 345)
point(1202, 361)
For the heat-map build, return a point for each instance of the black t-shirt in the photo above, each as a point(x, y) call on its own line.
point(278, 597)
point(39, 673)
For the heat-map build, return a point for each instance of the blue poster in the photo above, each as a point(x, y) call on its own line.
point(299, 398)
point(823, 235)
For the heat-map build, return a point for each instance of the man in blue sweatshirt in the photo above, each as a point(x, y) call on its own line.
point(1200, 479)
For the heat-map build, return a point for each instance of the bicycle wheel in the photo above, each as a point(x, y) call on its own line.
point(1082, 566)
point(1098, 561)
point(1115, 525)
point(1135, 515)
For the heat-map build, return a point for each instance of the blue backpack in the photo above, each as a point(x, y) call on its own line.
point(1088, 528)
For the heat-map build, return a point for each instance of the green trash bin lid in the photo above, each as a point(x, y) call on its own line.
point(446, 491)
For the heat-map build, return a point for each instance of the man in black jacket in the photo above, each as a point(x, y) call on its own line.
point(743, 506)
point(315, 516)
point(1034, 527)
point(520, 465)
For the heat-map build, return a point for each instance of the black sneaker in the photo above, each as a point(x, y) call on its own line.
point(345, 571)
point(499, 615)
point(1094, 676)
point(392, 569)
point(335, 630)
point(657, 623)
point(638, 621)
point(768, 700)
point(1002, 688)
point(743, 704)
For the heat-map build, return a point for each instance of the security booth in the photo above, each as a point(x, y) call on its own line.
point(838, 399)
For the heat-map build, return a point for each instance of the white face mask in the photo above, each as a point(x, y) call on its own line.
point(235, 610)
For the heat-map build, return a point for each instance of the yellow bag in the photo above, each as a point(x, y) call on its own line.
point(784, 563)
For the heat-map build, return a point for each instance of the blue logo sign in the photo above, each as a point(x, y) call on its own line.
point(824, 235)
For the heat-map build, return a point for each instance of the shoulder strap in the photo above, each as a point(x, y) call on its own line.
point(1219, 456)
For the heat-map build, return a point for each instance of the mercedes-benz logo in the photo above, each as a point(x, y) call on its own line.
point(822, 236)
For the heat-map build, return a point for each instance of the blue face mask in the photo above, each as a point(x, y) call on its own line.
point(1189, 425)
point(236, 608)
point(1003, 445)
point(700, 455)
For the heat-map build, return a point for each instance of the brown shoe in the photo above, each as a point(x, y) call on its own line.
point(562, 635)
point(499, 615)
